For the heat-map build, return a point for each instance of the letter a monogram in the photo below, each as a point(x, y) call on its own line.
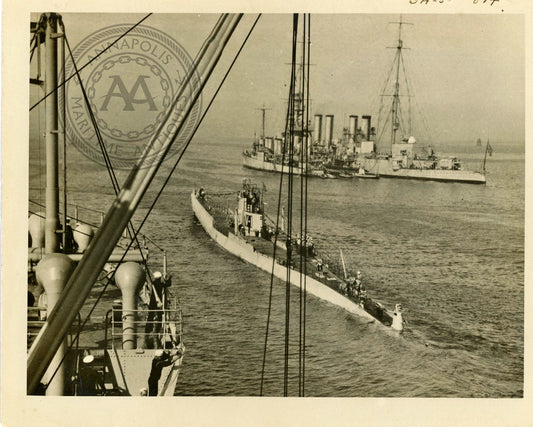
point(129, 97)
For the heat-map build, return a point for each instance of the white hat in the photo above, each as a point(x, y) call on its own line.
point(157, 275)
point(88, 359)
point(158, 353)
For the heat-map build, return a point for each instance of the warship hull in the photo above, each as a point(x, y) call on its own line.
point(385, 169)
point(381, 168)
point(258, 163)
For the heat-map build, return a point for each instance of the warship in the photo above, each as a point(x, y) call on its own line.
point(403, 159)
point(357, 150)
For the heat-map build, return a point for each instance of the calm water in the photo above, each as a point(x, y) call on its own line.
point(451, 254)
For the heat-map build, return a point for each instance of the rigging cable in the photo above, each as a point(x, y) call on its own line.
point(400, 114)
point(408, 90)
point(290, 138)
point(189, 139)
point(302, 247)
point(105, 154)
point(109, 166)
point(277, 229)
point(305, 179)
point(303, 244)
point(93, 59)
point(384, 127)
point(425, 131)
point(99, 138)
point(382, 103)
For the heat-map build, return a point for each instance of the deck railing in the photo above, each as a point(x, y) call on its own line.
point(159, 328)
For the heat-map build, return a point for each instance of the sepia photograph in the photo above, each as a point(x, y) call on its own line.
point(265, 205)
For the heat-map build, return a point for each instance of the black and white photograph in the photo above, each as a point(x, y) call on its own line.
point(218, 211)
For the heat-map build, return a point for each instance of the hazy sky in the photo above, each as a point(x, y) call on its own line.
point(467, 71)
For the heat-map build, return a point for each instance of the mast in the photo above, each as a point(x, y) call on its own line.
point(299, 89)
point(343, 265)
point(488, 150)
point(51, 129)
point(395, 123)
point(263, 110)
point(64, 132)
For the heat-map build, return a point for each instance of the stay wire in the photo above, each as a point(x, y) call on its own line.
point(105, 154)
point(383, 95)
point(408, 91)
point(189, 139)
point(183, 149)
point(424, 130)
point(276, 234)
point(305, 179)
point(136, 232)
point(303, 244)
point(93, 120)
point(290, 137)
point(110, 276)
point(93, 59)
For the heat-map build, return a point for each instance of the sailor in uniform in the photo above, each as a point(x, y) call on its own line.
point(360, 289)
point(90, 381)
point(155, 309)
point(161, 359)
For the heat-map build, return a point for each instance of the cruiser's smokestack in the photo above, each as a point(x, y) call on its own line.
point(318, 128)
point(277, 145)
point(352, 126)
point(268, 142)
point(367, 120)
point(329, 130)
